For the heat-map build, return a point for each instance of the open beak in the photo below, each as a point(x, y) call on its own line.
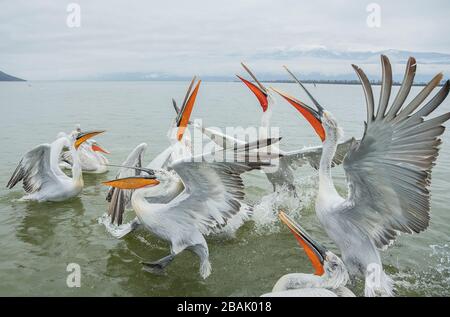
point(259, 90)
point(313, 116)
point(133, 182)
point(315, 252)
point(259, 93)
point(98, 148)
point(185, 112)
point(84, 136)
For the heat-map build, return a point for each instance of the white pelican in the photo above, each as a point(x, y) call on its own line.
point(194, 197)
point(329, 278)
point(212, 193)
point(42, 178)
point(388, 173)
point(90, 156)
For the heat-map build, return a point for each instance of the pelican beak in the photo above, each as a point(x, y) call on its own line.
point(260, 94)
point(133, 182)
point(98, 148)
point(314, 117)
point(84, 136)
point(185, 112)
point(315, 252)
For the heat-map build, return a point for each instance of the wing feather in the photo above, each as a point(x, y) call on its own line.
point(118, 198)
point(311, 155)
point(213, 190)
point(405, 88)
point(389, 171)
point(421, 96)
point(34, 170)
point(386, 85)
point(367, 91)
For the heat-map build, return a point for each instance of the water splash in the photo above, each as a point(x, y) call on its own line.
point(265, 213)
point(235, 222)
point(434, 279)
point(116, 231)
point(441, 253)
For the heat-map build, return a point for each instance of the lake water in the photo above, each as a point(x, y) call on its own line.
point(39, 240)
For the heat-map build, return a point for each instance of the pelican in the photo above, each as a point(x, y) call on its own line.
point(41, 175)
point(90, 156)
point(330, 275)
point(195, 196)
point(388, 173)
point(283, 175)
point(212, 193)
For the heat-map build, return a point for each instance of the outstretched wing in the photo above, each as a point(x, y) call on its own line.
point(389, 171)
point(222, 140)
point(213, 191)
point(120, 198)
point(312, 155)
point(34, 170)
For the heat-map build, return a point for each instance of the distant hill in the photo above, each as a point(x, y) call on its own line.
point(6, 77)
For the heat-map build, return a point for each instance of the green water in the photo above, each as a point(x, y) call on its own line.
point(37, 241)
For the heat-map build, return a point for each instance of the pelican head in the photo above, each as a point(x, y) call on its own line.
point(262, 93)
point(96, 147)
point(146, 179)
point(320, 119)
point(323, 121)
point(184, 114)
point(326, 263)
point(333, 131)
point(79, 138)
point(335, 270)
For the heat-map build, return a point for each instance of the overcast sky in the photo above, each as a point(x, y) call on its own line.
point(205, 37)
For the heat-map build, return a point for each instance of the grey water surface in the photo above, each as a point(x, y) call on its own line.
point(39, 240)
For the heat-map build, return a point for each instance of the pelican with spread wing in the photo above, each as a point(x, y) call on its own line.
point(329, 278)
point(41, 175)
point(195, 195)
point(388, 172)
point(212, 194)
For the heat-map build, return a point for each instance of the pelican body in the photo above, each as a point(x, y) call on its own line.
point(186, 198)
point(212, 193)
point(41, 175)
point(388, 173)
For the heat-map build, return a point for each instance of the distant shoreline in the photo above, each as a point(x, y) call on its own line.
point(343, 82)
point(7, 77)
point(308, 81)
